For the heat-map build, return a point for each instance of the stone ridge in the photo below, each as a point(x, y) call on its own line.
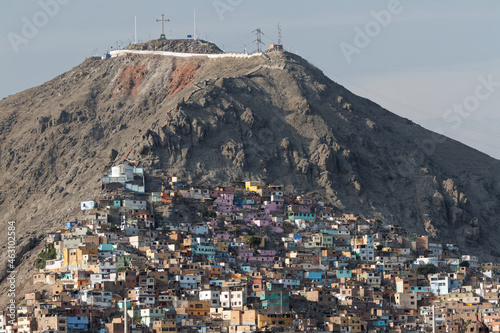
point(177, 45)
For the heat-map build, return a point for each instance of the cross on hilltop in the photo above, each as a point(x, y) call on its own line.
point(162, 20)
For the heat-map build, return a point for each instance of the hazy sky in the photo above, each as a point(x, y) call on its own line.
point(434, 62)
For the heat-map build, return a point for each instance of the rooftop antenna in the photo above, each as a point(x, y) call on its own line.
point(162, 20)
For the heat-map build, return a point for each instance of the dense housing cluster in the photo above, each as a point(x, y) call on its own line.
point(249, 258)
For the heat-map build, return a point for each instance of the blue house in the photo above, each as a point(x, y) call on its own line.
point(329, 231)
point(314, 276)
point(420, 289)
point(217, 283)
point(208, 250)
point(238, 201)
point(344, 273)
point(180, 317)
point(78, 323)
point(292, 216)
point(121, 304)
point(245, 268)
point(70, 224)
point(107, 247)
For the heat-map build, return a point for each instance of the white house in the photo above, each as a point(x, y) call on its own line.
point(211, 295)
point(440, 285)
point(134, 204)
point(97, 298)
point(234, 299)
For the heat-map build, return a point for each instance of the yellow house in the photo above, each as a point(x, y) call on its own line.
point(222, 246)
point(254, 186)
point(80, 255)
point(490, 265)
point(198, 308)
point(356, 324)
point(69, 257)
point(275, 320)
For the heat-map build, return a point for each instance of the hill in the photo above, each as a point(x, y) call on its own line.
point(272, 117)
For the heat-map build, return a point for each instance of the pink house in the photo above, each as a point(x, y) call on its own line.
point(261, 223)
point(304, 209)
point(278, 230)
point(225, 209)
point(272, 206)
point(212, 224)
point(267, 253)
point(224, 199)
point(225, 203)
point(261, 259)
point(226, 237)
point(243, 255)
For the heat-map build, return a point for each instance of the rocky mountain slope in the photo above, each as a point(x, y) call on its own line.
point(272, 117)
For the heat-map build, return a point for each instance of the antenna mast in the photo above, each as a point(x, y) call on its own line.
point(135, 29)
point(279, 34)
point(194, 32)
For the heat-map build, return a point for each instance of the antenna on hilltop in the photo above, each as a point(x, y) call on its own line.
point(135, 29)
point(279, 34)
point(278, 46)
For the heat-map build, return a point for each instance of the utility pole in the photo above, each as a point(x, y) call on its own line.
point(90, 326)
point(259, 40)
point(125, 317)
point(433, 319)
point(162, 20)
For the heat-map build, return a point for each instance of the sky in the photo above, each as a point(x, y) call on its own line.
point(436, 63)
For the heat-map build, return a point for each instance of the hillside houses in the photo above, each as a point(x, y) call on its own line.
point(248, 257)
